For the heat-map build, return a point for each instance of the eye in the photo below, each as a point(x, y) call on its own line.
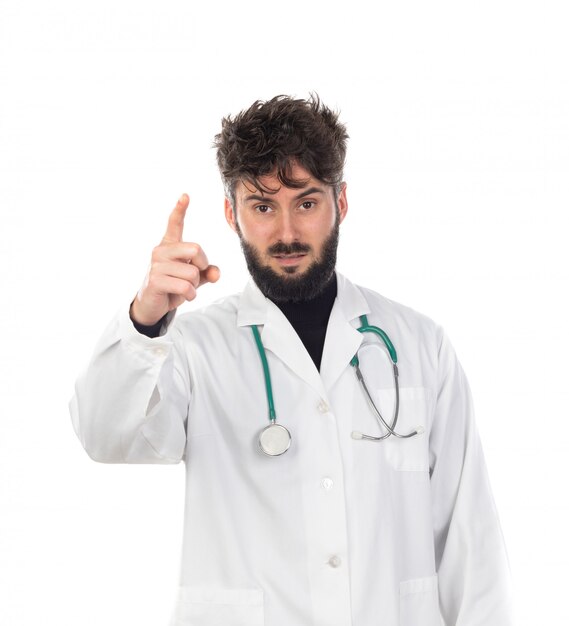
point(263, 208)
point(308, 204)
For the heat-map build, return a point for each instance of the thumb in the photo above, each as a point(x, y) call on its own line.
point(211, 274)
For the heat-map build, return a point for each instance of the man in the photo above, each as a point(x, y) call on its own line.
point(293, 516)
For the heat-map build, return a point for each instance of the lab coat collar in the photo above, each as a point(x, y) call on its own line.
point(342, 336)
point(280, 338)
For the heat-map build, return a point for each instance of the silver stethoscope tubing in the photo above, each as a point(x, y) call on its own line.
point(275, 439)
point(355, 363)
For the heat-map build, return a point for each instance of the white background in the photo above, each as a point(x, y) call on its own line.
point(457, 178)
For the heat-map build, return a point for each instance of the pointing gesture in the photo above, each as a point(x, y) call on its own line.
point(175, 229)
point(176, 270)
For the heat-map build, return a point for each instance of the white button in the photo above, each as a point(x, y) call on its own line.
point(159, 351)
point(327, 483)
point(334, 561)
point(323, 407)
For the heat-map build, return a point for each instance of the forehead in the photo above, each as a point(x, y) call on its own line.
point(271, 186)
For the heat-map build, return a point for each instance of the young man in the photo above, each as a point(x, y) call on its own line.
point(293, 516)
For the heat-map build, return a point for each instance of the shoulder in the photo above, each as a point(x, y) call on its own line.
point(221, 314)
point(420, 341)
point(397, 311)
point(400, 317)
point(417, 338)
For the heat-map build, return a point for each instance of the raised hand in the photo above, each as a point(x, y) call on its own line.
point(177, 269)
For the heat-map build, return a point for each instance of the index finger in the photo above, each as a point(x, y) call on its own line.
point(175, 229)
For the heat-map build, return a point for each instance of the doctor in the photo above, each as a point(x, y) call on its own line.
point(310, 524)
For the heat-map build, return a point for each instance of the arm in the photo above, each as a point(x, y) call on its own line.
point(471, 560)
point(131, 404)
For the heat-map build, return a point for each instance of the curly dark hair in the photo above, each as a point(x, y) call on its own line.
point(271, 136)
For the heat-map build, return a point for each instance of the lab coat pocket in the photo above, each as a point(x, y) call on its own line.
point(419, 602)
point(411, 454)
point(214, 606)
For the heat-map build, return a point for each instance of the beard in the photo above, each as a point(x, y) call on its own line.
point(293, 287)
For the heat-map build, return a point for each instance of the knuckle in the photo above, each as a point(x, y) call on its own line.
point(190, 292)
point(190, 249)
point(153, 282)
point(193, 273)
point(157, 253)
point(154, 272)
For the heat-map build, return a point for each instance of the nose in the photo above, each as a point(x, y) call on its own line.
point(287, 227)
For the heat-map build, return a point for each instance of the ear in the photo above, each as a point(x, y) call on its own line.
point(342, 203)
point(230, 215)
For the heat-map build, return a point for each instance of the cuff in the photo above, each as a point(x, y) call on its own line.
point(129, 333)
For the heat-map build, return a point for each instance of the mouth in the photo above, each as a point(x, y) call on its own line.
point(288, 259)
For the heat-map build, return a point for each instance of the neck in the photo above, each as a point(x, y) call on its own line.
point(309, 318)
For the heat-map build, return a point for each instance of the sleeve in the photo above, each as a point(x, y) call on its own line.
point(154, 330)
point(131, 403)
point(471, 559)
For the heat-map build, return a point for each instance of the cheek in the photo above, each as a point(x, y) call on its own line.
point(321, 230)
point(259, 236)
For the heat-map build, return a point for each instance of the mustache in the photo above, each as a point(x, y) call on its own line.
point(289, 248)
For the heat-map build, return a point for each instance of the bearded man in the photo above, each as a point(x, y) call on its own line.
point(334, 472)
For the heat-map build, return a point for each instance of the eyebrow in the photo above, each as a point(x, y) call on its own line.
point(302, 194)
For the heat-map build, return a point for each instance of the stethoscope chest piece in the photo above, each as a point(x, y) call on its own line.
point(274, 440)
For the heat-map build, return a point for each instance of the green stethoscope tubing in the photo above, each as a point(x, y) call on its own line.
point(266, 372)
point(364, 328)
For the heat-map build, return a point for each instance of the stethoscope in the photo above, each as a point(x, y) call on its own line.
point(275, 439)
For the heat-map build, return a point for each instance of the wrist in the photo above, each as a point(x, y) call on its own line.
point(140, 319)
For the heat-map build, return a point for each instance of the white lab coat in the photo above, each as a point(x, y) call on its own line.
point(337, 531)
